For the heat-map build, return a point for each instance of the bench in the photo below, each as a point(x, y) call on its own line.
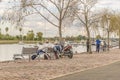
point(26, 51)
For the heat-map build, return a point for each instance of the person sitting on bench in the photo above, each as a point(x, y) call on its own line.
point(57, 50)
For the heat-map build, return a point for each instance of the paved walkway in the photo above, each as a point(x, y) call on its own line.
point(109, 72)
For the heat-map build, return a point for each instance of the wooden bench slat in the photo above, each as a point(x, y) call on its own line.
point(29, 50)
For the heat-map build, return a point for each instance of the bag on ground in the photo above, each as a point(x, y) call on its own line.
point(33, 57)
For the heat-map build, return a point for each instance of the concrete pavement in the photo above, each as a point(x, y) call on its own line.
point(109, 72)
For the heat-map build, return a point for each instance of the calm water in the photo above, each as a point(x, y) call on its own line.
point(8, 50)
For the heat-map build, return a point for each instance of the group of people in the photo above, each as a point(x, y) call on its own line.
point(99, 45)
point(48, 47)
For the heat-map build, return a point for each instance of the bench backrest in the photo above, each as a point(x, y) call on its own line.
point(29, 50)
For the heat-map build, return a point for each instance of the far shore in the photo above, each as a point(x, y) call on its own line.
point(16, 42)
point(49, 69)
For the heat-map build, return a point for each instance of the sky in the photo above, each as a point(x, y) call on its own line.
point(37, 25)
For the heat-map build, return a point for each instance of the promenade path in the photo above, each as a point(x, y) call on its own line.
point(109, 72)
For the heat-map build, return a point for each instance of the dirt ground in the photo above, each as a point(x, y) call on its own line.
point(48, 69)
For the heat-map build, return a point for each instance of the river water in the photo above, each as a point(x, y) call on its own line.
point(8, 50)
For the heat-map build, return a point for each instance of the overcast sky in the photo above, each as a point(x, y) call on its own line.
point(48, 30)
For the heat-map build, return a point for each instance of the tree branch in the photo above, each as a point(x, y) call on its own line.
point(47, 10)
point(45, 17)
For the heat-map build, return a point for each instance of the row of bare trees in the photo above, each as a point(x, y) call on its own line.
point(62, 13)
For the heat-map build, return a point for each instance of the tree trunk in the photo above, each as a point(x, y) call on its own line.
point(119, 38)
point(89, 40)
point(108, 40)
point(60, 28)
point(87, 29)
point(60, 32)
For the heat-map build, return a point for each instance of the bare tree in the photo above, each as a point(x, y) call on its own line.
point(86, 16)
point(16, 14)
point(60, 11)
point(106, 21)
point(115, 24)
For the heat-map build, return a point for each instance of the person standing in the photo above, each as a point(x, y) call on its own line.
point(104, 46)
point(98, 45)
